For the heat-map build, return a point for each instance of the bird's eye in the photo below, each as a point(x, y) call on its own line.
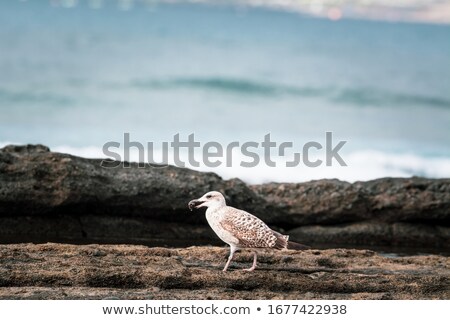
point(208, 196)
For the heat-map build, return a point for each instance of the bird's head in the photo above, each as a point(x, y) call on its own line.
point(208, 200)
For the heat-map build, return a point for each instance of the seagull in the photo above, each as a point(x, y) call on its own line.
point(240, 229)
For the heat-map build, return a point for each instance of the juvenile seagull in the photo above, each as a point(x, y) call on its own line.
point(239, 228)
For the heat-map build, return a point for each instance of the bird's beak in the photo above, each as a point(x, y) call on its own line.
point(194, 204)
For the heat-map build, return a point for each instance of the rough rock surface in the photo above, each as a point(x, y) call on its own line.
point(59, 271)
point(47, 196)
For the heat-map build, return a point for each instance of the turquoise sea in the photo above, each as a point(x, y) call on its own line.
point(75, 78)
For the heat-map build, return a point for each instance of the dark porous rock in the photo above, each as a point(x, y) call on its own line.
point(54, 196)
point(316, 202)
point(60, 271)
point(384, 212)
point(35, 181)
point(387, 199)
point(48, 196)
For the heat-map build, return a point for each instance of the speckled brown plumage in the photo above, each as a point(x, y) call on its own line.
point(251, 231)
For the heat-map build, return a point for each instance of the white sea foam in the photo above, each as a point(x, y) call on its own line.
point(362, 165)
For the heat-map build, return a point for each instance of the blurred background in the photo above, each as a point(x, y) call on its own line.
point(77, 74)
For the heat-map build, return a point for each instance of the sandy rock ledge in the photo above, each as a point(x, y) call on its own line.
point(61, 271)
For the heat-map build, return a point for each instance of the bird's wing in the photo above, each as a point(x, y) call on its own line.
point(251, 231)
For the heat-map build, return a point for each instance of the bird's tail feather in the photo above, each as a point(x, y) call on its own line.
point(291, 245)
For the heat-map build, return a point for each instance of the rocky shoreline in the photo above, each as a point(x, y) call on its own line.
point(60, 271)
point(47, 196)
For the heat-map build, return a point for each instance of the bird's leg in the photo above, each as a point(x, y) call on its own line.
point(254, 262)
point(228, 262)
point(232, 251)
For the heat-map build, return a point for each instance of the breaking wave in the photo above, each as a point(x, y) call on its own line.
point(362, 96)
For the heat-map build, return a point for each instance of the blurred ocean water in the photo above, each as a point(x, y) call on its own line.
point(74, 79)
